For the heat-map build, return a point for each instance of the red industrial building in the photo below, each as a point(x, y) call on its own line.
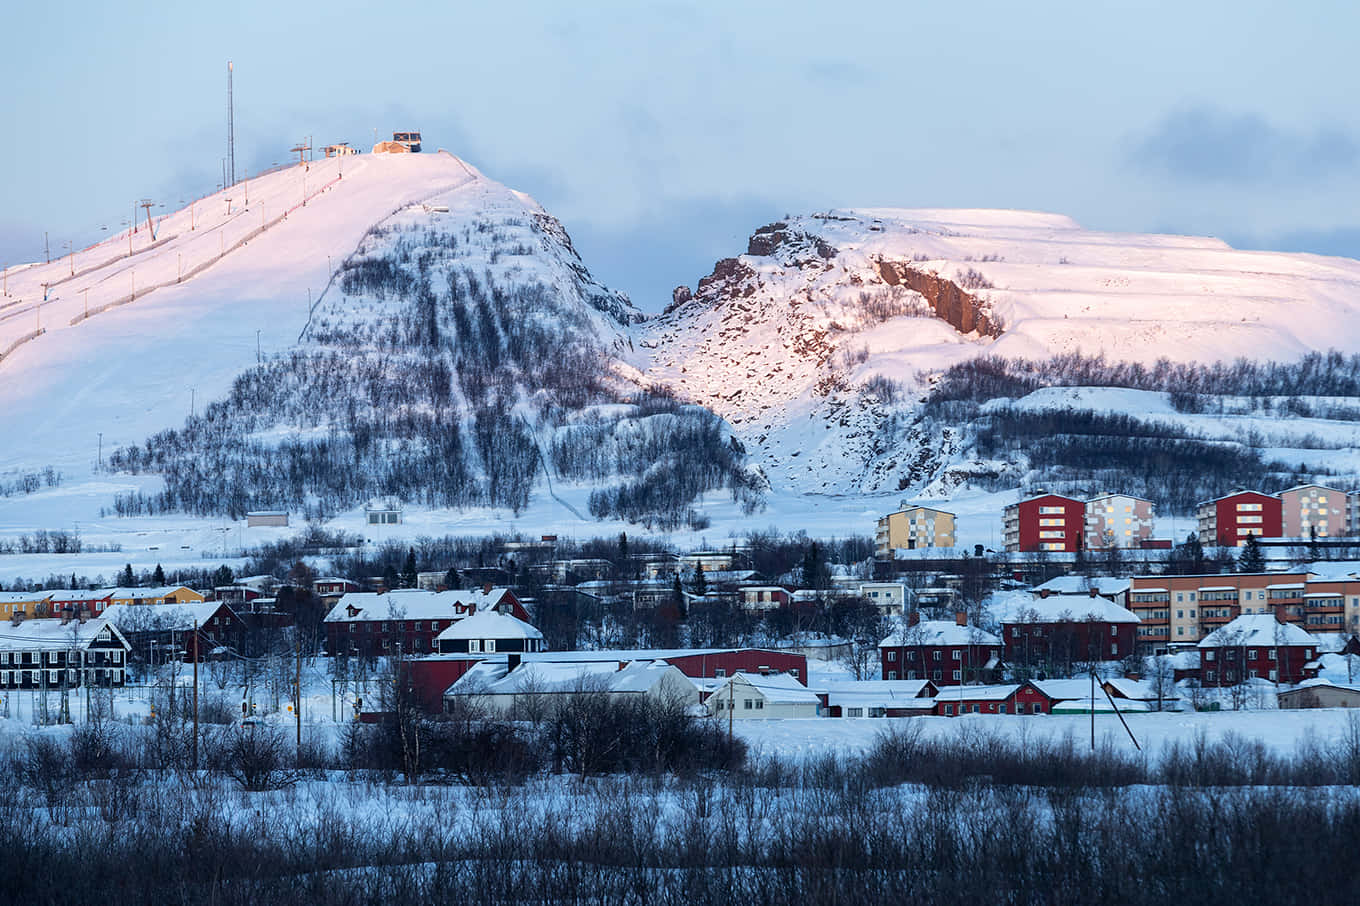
point(1048, 522)
point(1227, 521)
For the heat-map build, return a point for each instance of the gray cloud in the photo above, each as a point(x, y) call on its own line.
point(1208, 145)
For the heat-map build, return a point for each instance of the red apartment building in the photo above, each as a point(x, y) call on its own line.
point(1227, 521)
point(1256, 646)
point(1048, 522)
point(1066, 630)
point(946, 652)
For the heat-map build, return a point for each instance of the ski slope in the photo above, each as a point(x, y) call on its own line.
point(219, 277)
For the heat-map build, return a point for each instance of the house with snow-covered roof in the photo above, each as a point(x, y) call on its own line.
point(879, 698)
point(408, 621)
point(61, 653)
point(750, 696)
point(160, 632)
point(164, 594)
point(510, 685)
point(29, 603)
point(1065, 630)
point(490, 632)
point(946, 652)
point(1256, 646)
point(1011, 698)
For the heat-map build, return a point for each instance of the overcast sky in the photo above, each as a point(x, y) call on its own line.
point(662, 134)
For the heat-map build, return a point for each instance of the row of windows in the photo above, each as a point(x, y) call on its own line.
point(416, 626)
point(747, 704)
point(936, 655)
point(52, 657)
point(1035, 708)
point(57, 678)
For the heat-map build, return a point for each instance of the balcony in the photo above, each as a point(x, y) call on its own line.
point(1217, 618)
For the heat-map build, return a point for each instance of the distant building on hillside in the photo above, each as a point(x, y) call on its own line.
point(409, 140)
point(1118, 521)
point(382, 512)
point(266, 518)
point(1228, 521)
point(1047, 522)
point(914, 527)
point(1312, 509)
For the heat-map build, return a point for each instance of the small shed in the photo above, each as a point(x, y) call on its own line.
point(1320, 694)
point(384, 512)
point(259, 518)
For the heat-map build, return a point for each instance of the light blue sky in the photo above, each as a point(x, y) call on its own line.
point(662, 134)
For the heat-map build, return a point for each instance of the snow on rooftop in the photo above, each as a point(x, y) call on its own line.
point(1256, 629)
point(488, 624)
point(938, 632)
point(1060, 609)
point(50, 632)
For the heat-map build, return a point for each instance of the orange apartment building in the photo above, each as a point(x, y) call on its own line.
point(1312, 508)
point(1182, 610)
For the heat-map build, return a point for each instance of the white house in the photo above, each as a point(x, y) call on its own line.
point(750, 696)
point(508, 684)
point(889, 597)
point(489, 632)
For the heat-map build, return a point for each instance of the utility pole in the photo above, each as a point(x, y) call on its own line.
point(47, 249)
point(258, 359)
point(297, 692)
point(101, 449)
point(192, 391)
point(195, 761)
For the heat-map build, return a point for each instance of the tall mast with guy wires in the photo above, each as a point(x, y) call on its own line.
point(231, 134)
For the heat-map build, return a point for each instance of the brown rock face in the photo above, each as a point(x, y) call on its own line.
point(963, 310)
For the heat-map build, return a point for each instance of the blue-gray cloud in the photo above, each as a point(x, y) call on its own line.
point(1340, 241)
point(675, 243)
point(1208, 145)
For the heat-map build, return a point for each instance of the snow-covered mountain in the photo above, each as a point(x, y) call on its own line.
point(818, 344)
point(402, 325)
point(424, 333)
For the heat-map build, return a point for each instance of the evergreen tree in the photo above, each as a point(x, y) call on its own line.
point(678, 593)
point(451, 578)
point(223, 576)
point(390, 577)
point(127, 578)
point(816, 574)
point(408, 571)
point(1251, 560)
point(158, 577)
point(623, 550)
point(700, 582)
point(1314, 549)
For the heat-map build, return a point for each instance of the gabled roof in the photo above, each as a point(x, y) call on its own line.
point(413, 604)
point(54, 633)
point(163, 617)
point(881, 693)
point(977, 693)
point(76, 594)
point(494, 677)
point(1063, 609)
point(1082, 585)
point(488, 624)
point(1256, 629)
point(938, 632)
point(158, 592)
point(23, 597)
point(777, 687)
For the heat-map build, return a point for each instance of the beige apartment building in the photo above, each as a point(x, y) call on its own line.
point(1311, 508)
point(1181, 610)
point(1117, 520)
point(914, 527)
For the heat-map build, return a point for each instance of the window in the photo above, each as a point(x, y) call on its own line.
point(958, 655)
point(760, 703)
point(720, 671)
point(1270, 653)
point(1037, 708)
point(1001, 709)
point(854, 712)
point(937, 654)
point(949, 710)
point(1209, 676)
point(892, 674)
point(1208, 655)
point(1114, 630)
point(935, 674)
point(1114, 648)
point(474, 646)
point(746, 704)
point(489, 646)
point(892, 655)
point(1251, 654)
point(1015, 632)
point(957, 675)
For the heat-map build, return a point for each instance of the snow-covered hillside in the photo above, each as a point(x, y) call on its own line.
point(817, 344)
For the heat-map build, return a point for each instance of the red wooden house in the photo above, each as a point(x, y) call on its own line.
point(946, 652)
point(1257, 646)
point(1024, 698)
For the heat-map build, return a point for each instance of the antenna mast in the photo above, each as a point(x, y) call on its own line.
point(231, 132)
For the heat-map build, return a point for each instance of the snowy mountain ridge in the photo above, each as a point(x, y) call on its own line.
point(818, 343)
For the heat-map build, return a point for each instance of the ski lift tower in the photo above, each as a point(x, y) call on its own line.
point(146, 204)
